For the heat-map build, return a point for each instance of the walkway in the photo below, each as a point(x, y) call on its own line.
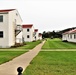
point(10, 68)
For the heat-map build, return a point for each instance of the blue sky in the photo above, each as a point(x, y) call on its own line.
point(46, 15)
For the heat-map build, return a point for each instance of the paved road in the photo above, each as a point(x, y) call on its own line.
point(10, 68)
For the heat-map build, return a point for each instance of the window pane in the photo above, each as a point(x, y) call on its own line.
point(28, 36)
point(27, 30)
point(1, 18)
point(1, 34)
point(74, 36)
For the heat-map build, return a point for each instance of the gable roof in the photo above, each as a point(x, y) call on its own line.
point(27, 25)
point(36, 30)
point(7, 10)
point(71, 31)
point(66, 32)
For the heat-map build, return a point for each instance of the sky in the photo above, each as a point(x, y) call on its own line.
point(45, 15)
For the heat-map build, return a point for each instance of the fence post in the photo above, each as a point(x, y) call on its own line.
point(19, 70)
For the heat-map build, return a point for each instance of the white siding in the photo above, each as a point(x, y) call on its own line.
point(69, 37)
point(40, 37)
point(19, 38)
point(14, 19)
point(30, 33)
point(36, 35)
point(4, 28)
point(10, 20)
point(72, 39)
point(64, 37)
point(11, 29)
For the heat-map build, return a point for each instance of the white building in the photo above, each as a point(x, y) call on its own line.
point(10, 28)
point(69, 36)
point(36, 37)
point(28, 32)
point(40, 36)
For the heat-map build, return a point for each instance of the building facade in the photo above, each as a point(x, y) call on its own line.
point(36, 36)
point(9, 21)
point(28, 32)
point(40, 36)
point(69, 36)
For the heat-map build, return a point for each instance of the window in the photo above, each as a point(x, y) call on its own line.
point(28, 36)
point(28, 30)
point(1, 18)
point(16, 14)
point(74, 36)
point(1, 34)
point(70, 36)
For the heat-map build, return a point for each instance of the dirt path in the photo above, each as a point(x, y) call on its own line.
point(10, 68)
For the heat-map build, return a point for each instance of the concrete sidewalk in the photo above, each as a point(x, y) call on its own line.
point(10, 68)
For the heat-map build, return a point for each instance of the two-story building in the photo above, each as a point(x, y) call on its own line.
point(28, 32)
point(10, 28)
point(36, 37)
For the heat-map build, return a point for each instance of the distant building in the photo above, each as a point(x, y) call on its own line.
point(40, 36)
point(10, 28)
point(69, 36)
point(36, 36)
point(28, 32)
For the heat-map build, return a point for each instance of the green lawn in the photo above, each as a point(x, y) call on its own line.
point(5, 56)
point(49, 62)
point(53, 63)
point(58, 44)
point(10, 53)
point(30, 45)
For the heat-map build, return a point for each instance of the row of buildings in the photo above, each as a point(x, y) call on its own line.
point(12, 31)
point(30, 34)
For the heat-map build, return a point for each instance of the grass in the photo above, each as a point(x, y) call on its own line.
point(6, 56)
point(26, 47)
point(57, 62)
point(58, 44)
point(53, 63)
point(30, 45)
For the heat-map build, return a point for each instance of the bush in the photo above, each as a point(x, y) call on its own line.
point(17, 45)
point(65, 41)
